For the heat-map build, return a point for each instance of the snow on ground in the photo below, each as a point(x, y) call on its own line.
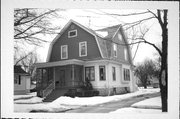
point(29, 95)
point(65, 103)
point(99, 99)
point(152, 103)
point(137, 110)
point(32, 100)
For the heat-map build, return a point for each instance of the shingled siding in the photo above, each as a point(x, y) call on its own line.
point(73, 45)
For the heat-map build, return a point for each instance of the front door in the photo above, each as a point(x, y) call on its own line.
point(62, 78)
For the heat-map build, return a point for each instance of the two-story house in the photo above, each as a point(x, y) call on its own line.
point(78, 53)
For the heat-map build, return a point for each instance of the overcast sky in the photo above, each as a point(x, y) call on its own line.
point(91, 18)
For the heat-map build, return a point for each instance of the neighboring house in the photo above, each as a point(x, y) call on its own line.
point(22, 81)
point(79, 53)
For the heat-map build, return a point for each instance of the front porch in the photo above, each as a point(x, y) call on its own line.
point(63, 76)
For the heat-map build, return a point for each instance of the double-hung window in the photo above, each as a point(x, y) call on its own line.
point(126, 74)
point(90, 73)
point(115, 49)
point(83, 49)
point(102, 73)
point(64, 52)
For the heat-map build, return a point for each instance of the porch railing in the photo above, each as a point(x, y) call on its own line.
point(48, 90)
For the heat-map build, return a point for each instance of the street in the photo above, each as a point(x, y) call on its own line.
point(112, 106)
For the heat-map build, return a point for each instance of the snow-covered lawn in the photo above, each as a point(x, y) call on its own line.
point(152, 105)
point(131, 110)
point(70, 103)
point(32, 100)
point(29, 95)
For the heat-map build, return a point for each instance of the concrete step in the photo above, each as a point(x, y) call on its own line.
point(56, 93)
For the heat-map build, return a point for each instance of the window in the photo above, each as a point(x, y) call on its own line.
point(90, 73)
point(114, 73)
point(125, 54)
point(126, 74)
point(102, 73)
point(17, 79)
point(64, 52)
point(82, 49)
point(119, 36)
point(72, 33)
point(115, 50)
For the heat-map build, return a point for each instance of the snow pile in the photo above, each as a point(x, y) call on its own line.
point(136, 110)
point(153, 103)
point(32, 100)
point(29, 95)
point(84, 101)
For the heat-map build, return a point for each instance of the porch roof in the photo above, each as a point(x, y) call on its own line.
point(59, 63)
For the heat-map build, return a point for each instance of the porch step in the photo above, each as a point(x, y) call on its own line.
point(56, 93)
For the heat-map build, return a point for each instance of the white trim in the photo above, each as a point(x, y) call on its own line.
point(114, 50)
point(80, 44)
point(72, 31)
point(125, 54)
point(66, 47)
point(63, 30)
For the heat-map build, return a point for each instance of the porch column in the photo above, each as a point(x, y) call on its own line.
point(73, 75)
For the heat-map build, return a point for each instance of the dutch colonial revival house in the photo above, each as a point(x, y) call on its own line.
point(78, 53)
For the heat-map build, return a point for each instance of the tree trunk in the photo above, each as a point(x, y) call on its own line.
point(164, 73)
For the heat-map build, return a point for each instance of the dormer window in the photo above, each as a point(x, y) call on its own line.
point(115, 49)
point(119, 36)
point(72, 33)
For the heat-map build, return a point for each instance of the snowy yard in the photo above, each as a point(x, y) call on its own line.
point(152, 105)
point(65, 103)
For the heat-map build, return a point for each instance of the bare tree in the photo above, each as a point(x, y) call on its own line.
point(30, 24)
point(161, 17)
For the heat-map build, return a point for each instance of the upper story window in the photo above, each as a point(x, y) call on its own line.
point(72, 33)
point(83, 49)
point(64, 52)
point(125, 54)
point(126, 74)
point(102, 73)
point(115, 49)
point(119, 36)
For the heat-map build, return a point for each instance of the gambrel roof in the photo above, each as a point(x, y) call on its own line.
point(102, 42)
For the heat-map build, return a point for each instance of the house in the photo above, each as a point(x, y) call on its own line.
point(78, 53)
point(22, 81)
